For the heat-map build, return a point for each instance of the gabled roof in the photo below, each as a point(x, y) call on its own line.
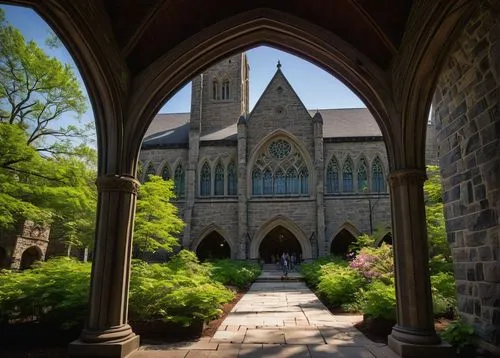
point(167, 129)
point(348, 122)
point(173, 128)
point(277, 78)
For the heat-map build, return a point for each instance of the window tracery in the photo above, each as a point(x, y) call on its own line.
point(219, 179)
point(347, 179)
point(362, 176)
point(165, 173)
point(279, 169)
point(225, 90)
point(179, 182)
point(378, 184)
point(332, 177)
point(231, 179)
point(205, 180)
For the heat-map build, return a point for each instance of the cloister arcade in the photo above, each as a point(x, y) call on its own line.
point(397, 56)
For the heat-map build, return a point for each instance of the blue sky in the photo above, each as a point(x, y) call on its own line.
point(315, 87)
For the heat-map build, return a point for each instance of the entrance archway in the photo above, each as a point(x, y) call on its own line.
point(277, 241)
point(341, 242)
point(213, 246)
point(29, 256)
point(4, 260)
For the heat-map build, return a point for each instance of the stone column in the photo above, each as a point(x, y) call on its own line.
point(414, 334)
point(242, 189)
point(107, 333)
point(319, 186)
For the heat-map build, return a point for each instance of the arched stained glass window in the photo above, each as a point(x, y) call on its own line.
point(304, 181)
point(179, 182)
point(225, 90)
point(292, 181)
point(150, 171)
point(267, 188)
point(332, 177)
point(378, 184)
point(362, 176)
point(165, 173)
point(215, 89)
point(347, 176)
point(205, 180)
point(231, 179)
point(279, 182)
point(256, 182)
point(219, 179)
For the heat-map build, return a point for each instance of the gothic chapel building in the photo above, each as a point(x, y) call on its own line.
point(250, 185)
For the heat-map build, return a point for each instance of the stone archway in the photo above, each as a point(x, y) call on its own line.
point(341, 243)
point(386, 239)
point(213, 246)
point(29, 256)
point(288, 225)
point(277, 241)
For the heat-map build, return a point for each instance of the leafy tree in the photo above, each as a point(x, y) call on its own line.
point(156, 220)
point(36, 90)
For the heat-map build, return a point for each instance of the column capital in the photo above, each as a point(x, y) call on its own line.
point(114, 182)
point(407, 176)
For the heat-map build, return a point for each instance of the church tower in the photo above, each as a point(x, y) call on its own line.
point(220, 95)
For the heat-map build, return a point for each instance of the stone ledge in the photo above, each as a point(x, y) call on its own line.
point(108, 349)
point(409, 350)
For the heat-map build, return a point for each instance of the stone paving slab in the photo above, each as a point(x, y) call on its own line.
point(278, 319)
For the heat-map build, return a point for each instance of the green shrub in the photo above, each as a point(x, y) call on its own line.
point(56, 292)
point(443, 293)
point(378, 300)
point(311, 272)
point(461, 336)
point(234, 273)
point(338, 284)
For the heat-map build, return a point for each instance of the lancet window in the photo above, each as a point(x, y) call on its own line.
point(378, 184)
point(332, 177)
point(362, 176)
point(347, 179)
point(179, 182)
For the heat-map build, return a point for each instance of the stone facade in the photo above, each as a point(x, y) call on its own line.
point(467, 116)
point(222, 132)
point(25, 243)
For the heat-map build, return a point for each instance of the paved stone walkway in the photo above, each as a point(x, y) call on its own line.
point(278, 319)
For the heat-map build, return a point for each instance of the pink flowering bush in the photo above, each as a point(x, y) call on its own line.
point(375, 263)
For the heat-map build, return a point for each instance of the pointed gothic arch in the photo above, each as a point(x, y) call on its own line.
point(362, 175)
point(219, 179)
point(333, 176)
point(377, 176)
point(232, 179)
point(150, 170)
point(205, 179)
point(166, 174)
point(220, 233)
point(179, 181)
point(341, 239)
point(288, 224)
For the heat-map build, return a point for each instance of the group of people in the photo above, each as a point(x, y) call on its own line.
point(287, 262)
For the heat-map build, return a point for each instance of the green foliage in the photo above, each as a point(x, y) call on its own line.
point(338, 284)
point(378, 300)
point(234, 273)
point(56, 292)
point(443, 293)
point(179, 291)
point(363, 240)
point(375, 263)
point(156, 221)
point(461, 336)
point(312, 271)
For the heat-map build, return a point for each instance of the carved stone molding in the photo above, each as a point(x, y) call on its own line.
point(407, 177)
point(107, 183)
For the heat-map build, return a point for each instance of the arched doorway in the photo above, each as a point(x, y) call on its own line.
point(341, 242)
point(4, 260)
point(277, 241)
point(213, 247)
point(30, 255)
point(386, 239)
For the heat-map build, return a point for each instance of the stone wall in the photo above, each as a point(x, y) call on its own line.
point(467, 116)
point(161, 157)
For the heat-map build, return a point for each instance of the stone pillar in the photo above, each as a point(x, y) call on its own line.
point(242, 189)
point(319, 185)
point(107, 333)
point(414, 334)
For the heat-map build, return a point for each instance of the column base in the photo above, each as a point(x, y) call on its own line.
point(111, 349)
point(412, 350)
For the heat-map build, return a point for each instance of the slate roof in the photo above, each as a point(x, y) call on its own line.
point(173, 128)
